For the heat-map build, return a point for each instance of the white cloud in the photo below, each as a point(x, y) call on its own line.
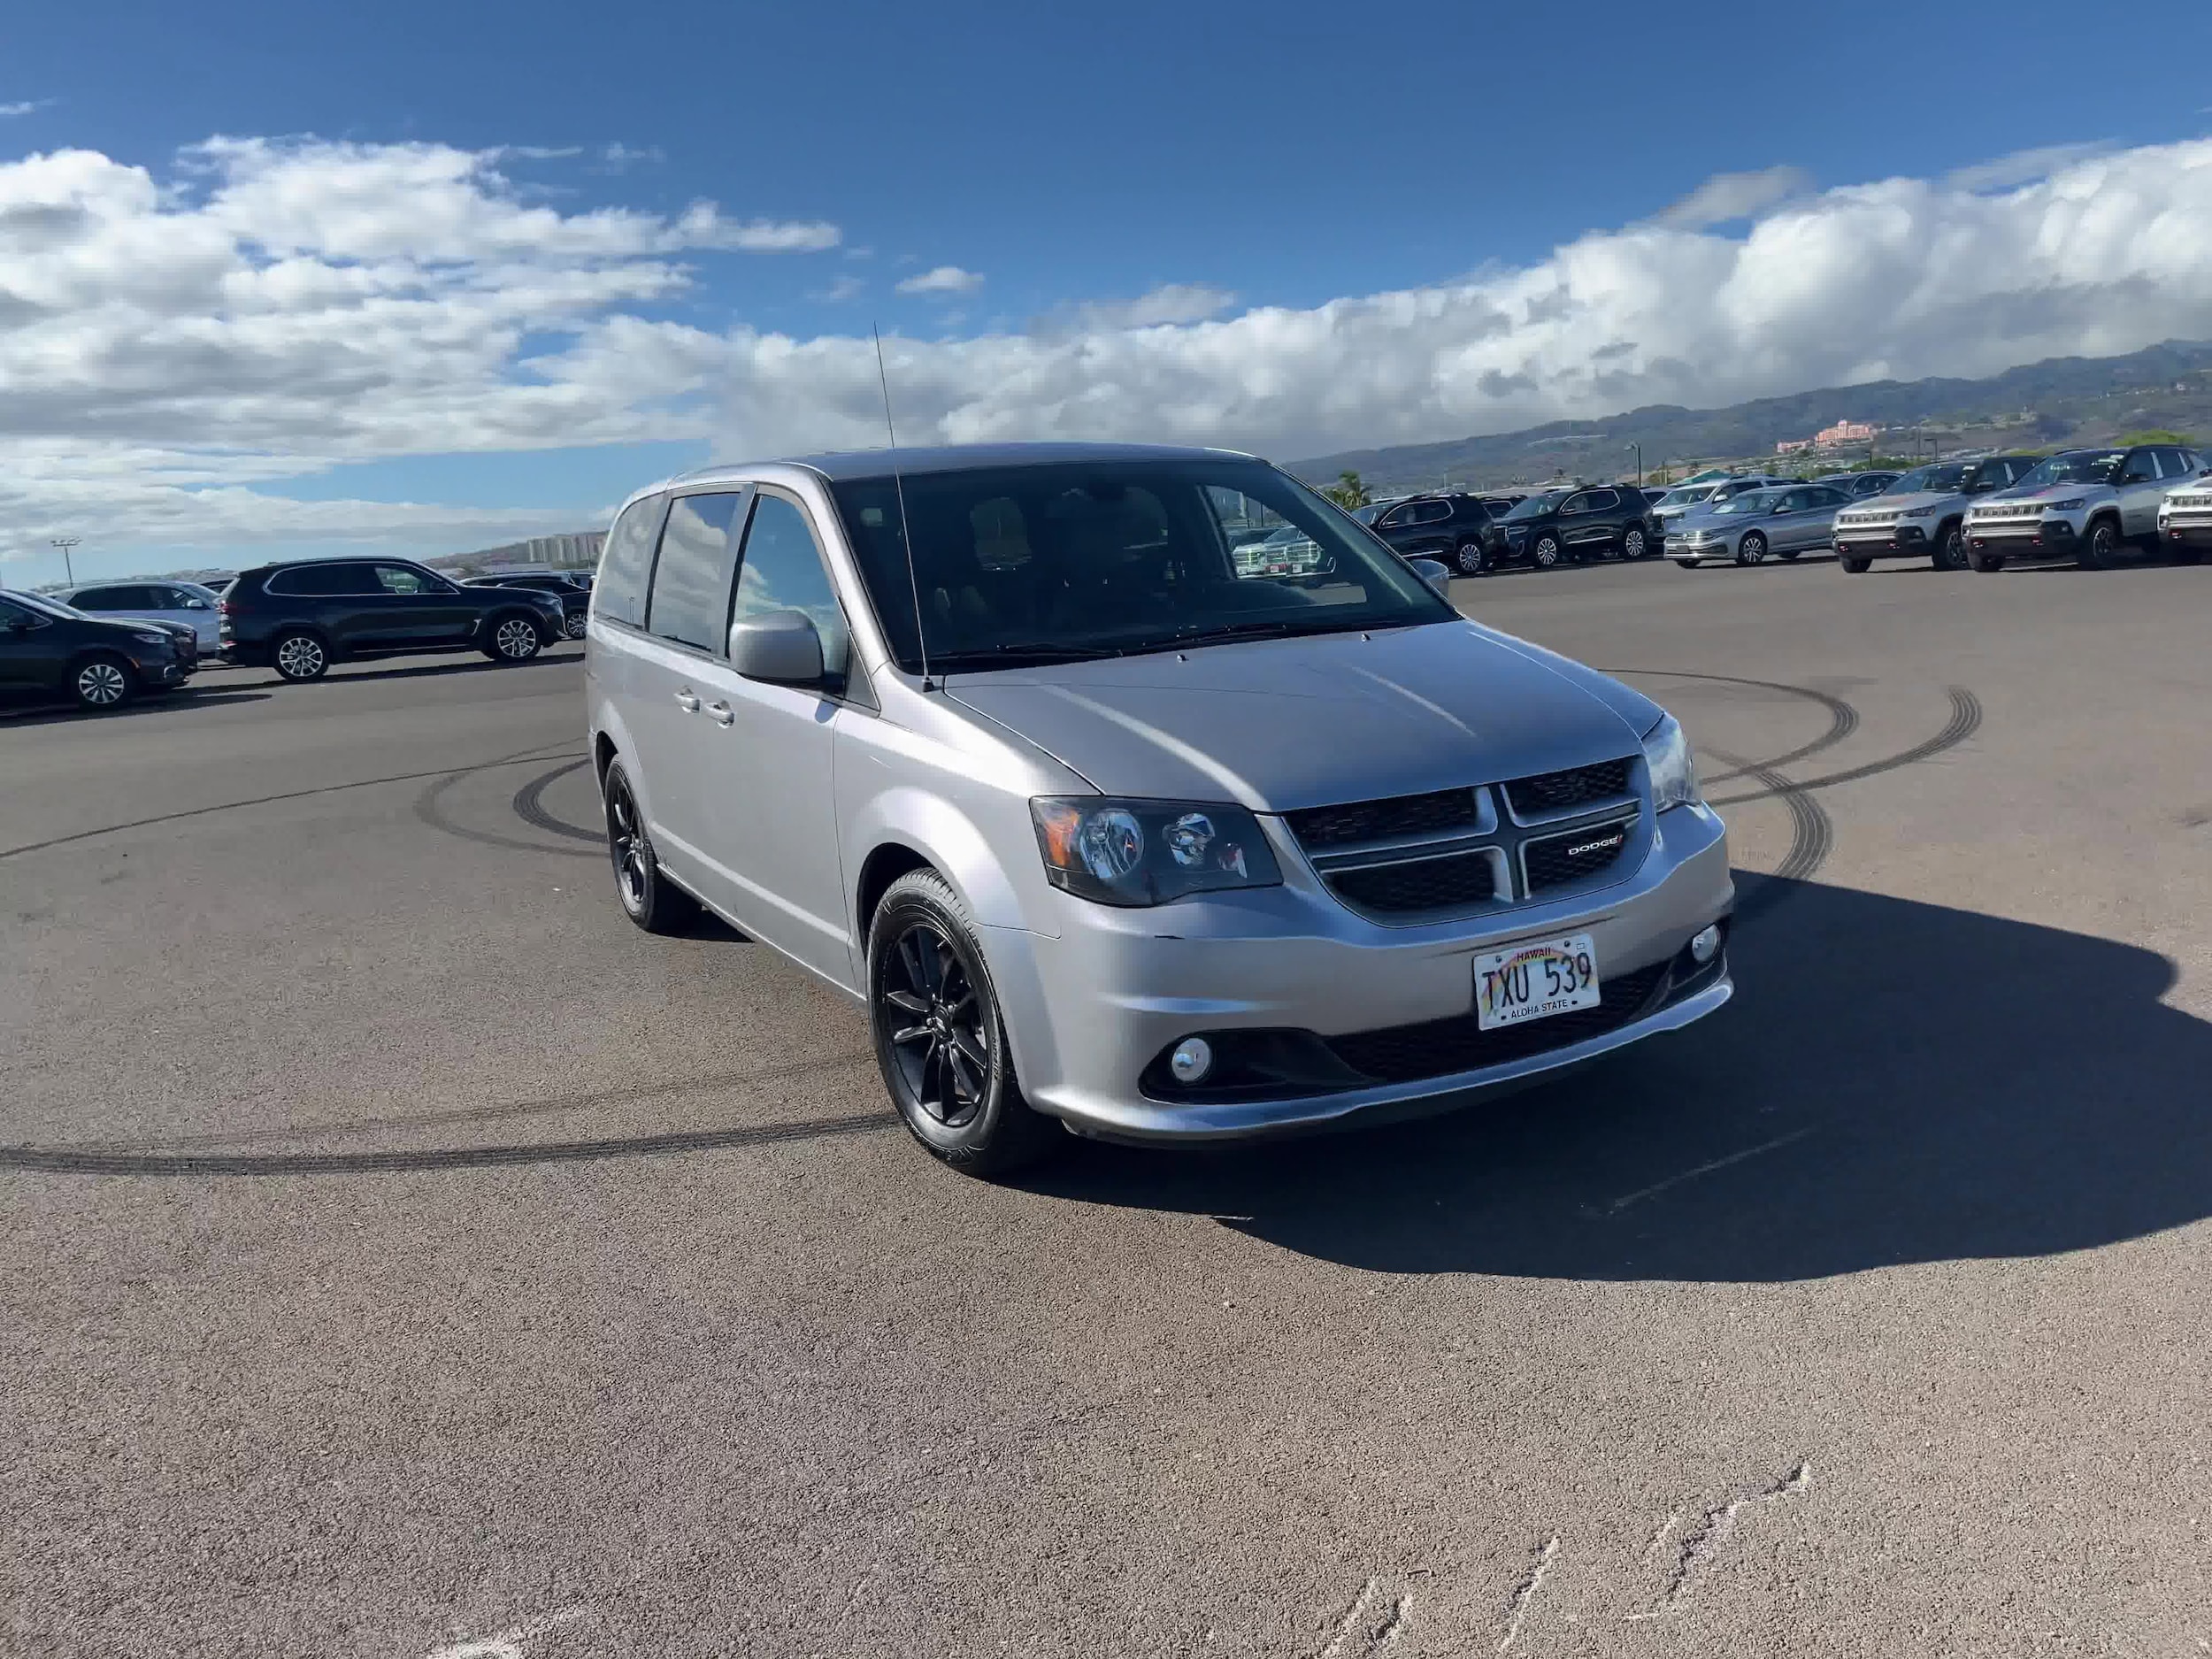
point(840, 289)
point(1727, 197)
point(28, 107)
point(944, 278)
point(170, 347)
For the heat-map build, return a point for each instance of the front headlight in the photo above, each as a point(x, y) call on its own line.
point(1673, 772)
point(2075, 505)
point(1149, 852)
point(1919, 512)
point(149, 636)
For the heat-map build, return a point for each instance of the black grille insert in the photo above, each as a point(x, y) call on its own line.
point(1439, 1048)
point(1420, 884)
point(1317, 827)
point(1579, 785)
point(1558, 859)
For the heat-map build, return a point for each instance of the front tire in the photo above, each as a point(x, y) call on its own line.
point(1685, 564)
point(102, 682)
point(2100, 546)
point(1752, 550)
point(514, 639)
point(649, 898)
point(1950, 550)
point(1856, 567)
point(299, 656)
point(940, 1040)
point(1988, 564)
point(577, 624)
point(1544, 554)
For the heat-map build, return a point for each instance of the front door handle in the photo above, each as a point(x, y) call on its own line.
point(688, 700)
point(719, 710)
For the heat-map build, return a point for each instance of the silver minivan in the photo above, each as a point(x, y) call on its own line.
point(1102, 823)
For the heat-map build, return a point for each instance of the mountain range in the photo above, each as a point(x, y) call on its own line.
point(2042, 405)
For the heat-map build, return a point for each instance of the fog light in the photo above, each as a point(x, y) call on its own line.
point(1193, 1058)
point(1704, 946)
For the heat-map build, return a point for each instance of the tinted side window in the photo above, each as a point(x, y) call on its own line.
point(2172, 464)
point(625, 560)
point(98, 599)
point(322, 581)
point(12, 614)
point(1576, 503)
point(783, 572)
point(401, 579)
point(1600, 500)
point(691, 578)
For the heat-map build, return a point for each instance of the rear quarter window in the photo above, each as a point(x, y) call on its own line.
point(627, 561)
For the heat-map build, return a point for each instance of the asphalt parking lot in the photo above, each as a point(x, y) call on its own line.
point(400, 1255)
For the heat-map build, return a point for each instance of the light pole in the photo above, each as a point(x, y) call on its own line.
point(65, 542)
point(1639, 464)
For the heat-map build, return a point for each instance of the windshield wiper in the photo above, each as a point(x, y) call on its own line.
point(1275, 630)
point(1024, 650)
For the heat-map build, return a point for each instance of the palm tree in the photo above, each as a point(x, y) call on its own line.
point(1347, 492)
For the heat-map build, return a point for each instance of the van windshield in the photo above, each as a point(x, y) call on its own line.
point(1015, 566)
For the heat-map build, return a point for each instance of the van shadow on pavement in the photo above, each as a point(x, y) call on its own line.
point(1893, 1082)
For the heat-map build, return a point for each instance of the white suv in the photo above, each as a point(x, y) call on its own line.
point(2087, 505)
point(2185, 518)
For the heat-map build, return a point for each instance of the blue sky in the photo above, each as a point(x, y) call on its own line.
point(1221, 159)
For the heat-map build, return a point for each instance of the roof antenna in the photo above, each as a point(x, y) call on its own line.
point(906, 538)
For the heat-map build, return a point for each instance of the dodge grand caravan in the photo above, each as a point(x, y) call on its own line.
point(1100, 827)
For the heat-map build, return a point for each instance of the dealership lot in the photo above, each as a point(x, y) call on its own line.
point(399, 1253)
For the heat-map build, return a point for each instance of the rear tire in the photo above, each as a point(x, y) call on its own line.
point(577, 625)
point(940, 1040)
point(299, 656)
point(104, 682)
point(514, 639)
point(1856, 567)
point(1790, 557)
point(649, 898)
point(2100, 546)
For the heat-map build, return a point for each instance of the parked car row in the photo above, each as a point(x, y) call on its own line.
point(105, 644)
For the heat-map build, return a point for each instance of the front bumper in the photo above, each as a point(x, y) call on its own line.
point(1090, 1011)
point(2022, 536)
point(1882, 542)
point(2192, 532)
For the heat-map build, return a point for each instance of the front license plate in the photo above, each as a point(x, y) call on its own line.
point(1551, 976)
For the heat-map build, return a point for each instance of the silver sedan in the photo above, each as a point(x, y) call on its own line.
point(1783, 522)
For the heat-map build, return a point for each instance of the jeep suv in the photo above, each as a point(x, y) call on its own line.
point(2185, 518)
point(1101, 829)
point(1452, 527)
point(1923, 515)
point(2087, 505)
point(1602, 520)
point(301, 617)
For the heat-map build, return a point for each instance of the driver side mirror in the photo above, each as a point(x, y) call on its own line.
point(781, 648)
point(196, 604)
point(1435, 572)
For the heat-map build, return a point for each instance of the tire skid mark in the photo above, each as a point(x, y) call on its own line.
point(547, 1106)
point(529, 805)
point(535, 752)
point(430, 809)
point(57, 1161)
point(1843, 720)
point(1966, 719)
point(1812, 838)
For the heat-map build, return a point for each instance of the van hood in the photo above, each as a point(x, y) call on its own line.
point(1277, 725)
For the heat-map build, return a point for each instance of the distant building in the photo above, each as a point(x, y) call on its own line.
point(555, 552)
point(1845, 432)
point(1791, 446)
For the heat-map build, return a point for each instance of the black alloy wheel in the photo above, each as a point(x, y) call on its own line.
point(2100, 546)
point(939, 1041)
point(102, 682)
point(1950, 550)
point(1545, 553)
point(299, 656)
point(1752, 550)
point(649, 898)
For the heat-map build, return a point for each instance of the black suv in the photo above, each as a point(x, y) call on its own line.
point(300, 617)
point(1448, 526)
point(1596, 520)
point(48, 651)
point(574, 596)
